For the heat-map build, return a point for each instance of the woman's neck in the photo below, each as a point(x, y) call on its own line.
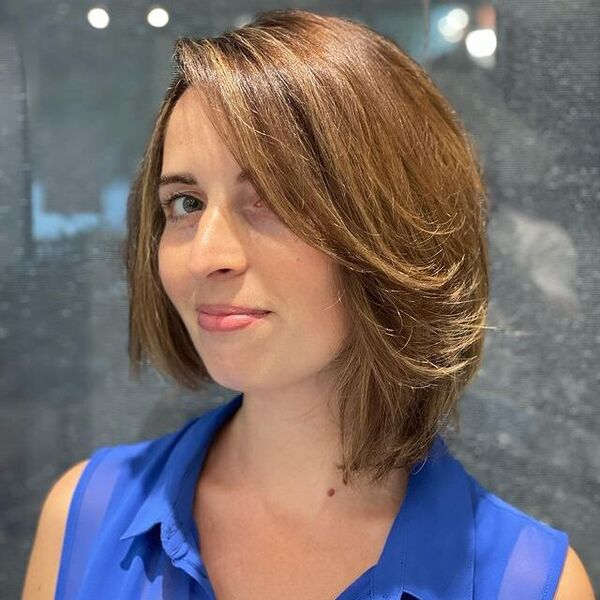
point(283, 452)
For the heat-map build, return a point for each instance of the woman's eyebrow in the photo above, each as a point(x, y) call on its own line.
point(189, 179)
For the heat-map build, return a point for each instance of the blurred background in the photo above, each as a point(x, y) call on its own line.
point(80, 84)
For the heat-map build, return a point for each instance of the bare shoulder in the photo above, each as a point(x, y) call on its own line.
point(574, 581)
point(44, 560)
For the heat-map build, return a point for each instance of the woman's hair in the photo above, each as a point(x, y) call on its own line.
point(349, 142)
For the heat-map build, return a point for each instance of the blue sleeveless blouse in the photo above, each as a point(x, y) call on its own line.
point(130, 531)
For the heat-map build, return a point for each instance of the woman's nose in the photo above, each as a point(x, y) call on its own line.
point(218, 244)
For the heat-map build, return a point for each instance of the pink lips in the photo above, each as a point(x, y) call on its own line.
point(228, 322)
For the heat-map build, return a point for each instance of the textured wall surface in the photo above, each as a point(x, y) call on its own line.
point(76, 104)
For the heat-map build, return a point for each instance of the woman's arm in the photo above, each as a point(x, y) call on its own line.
point(44, 560)
point(574, 582)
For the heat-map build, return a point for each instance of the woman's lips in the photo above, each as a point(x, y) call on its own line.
point(229, 309)
point(227, 322)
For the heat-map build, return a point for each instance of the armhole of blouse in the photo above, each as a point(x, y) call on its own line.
point(535, 563)
point(73, 516)
point(557, 563)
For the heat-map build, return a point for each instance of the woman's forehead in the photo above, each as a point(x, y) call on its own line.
point(189, 118)
point(190, 133)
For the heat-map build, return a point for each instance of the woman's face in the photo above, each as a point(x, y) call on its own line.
point(228, 248)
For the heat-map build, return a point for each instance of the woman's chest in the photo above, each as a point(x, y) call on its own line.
point(248, 556)
point(271, 572)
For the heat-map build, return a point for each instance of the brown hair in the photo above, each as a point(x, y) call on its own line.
point(349, 142)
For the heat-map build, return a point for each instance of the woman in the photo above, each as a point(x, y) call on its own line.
point(307, 227)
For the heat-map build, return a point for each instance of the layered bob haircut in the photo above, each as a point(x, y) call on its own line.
point(348, 141)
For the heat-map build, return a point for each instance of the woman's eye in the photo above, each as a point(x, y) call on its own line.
point(188, 205)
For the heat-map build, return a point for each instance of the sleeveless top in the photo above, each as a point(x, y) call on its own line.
point(130, 531)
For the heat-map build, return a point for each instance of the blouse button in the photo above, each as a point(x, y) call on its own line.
point(180, 552)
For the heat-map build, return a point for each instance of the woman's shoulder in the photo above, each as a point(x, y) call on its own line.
point(127, 460)
point(44, 558)
point(49, 538)
point(122, 466)
point(101, 471)
point(494, 514)
point(507, 538)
